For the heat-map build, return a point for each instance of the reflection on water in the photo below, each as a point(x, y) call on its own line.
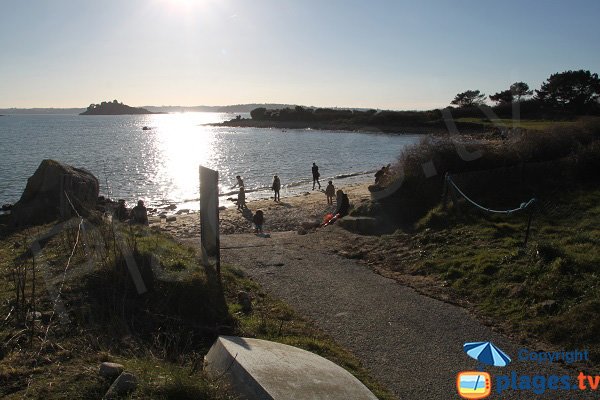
point(161, 164)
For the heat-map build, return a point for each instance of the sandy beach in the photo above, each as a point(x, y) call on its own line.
point(287, 215)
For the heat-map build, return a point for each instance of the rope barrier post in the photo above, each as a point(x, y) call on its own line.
point(453, 194)
point(528, 227)
point(445, 193)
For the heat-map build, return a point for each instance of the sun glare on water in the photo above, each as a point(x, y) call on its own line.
point(184, 145)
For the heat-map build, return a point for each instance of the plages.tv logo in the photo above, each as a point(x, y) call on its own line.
point(478, 384)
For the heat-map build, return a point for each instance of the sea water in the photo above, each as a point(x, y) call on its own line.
point(160, 164)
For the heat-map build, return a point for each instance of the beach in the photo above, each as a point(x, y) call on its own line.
point(290, 214)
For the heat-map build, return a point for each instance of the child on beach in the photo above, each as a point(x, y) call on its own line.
point(241, 202)
point(259, 220)
point(330, 192)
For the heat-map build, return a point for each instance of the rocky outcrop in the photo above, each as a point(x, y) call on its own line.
point(114, 108)
point(44, 200)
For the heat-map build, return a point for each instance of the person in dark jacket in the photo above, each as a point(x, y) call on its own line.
point(259, 220)
point(121, 212)
point(316, 175)
point(344, 206)
point(276, 187)
point(139, 213)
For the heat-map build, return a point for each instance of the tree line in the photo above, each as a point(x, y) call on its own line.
point(575, 92)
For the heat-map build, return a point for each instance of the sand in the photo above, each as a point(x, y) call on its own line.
point(287, 215)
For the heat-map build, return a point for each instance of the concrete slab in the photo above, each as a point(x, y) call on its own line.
point(259, 369)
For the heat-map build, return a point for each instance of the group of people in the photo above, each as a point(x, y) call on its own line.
point(342, 201)
point(137, 215)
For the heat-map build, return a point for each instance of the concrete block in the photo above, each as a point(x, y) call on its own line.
point(263, 370)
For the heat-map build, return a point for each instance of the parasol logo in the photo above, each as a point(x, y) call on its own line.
point(478, 384)
point(487, 353)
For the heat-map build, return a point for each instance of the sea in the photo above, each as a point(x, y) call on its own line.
point(160, 164)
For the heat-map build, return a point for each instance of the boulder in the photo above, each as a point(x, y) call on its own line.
point(307, 225)
point(245, 301)
point(110, 370)
point(361, 225)
point(43, 199)
point(124, 384)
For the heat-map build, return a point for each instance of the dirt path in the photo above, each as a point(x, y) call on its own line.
point(409, 342)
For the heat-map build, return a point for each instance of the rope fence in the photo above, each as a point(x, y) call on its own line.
point(449, 184)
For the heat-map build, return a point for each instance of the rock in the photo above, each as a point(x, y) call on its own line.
point(43, 200)
point(34, 316)
point(302, 231)
point(361, 225)
point(222, 208)
point(245, 301)
point(172, 218)
point(310, 224)
point(46, 317)
point(110, 370)
point(171, 207)
point(183, 210)
point(7, 207)
point(124, 384)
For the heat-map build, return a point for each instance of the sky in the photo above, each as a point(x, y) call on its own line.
point(380, 54)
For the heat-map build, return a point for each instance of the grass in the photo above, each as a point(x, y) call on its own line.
point(548, 290)
point(533, 124)
point(527, 159)
point(160, 335)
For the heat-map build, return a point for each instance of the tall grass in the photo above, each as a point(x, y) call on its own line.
point(566, 155)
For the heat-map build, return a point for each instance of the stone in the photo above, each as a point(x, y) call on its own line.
point(110, 370)
point(34, 316)
point(43, 200)
point(245, 301)
point(124, 384)
point(361, 225)
point(7, 207)
point(183, 211)
point(302, 231)
point(171, 218)
point(310, 224)
point(171, 207)
point(260, 369)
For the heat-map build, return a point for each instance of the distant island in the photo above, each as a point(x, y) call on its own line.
point(114, 108)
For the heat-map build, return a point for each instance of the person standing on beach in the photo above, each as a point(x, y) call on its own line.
point(239, 182)
point(330, 192)
point(316, 175)
point(276, 187)
point(241, 203)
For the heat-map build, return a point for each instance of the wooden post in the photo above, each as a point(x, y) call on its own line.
point(528, 228)
point(445, 193)
point(209, 217)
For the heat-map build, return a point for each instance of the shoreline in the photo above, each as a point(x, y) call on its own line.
point(290, 214)
point(437, 128)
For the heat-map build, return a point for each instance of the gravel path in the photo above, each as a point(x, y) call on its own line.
point(411, 343)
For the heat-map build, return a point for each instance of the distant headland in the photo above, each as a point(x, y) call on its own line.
point(114, 108)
